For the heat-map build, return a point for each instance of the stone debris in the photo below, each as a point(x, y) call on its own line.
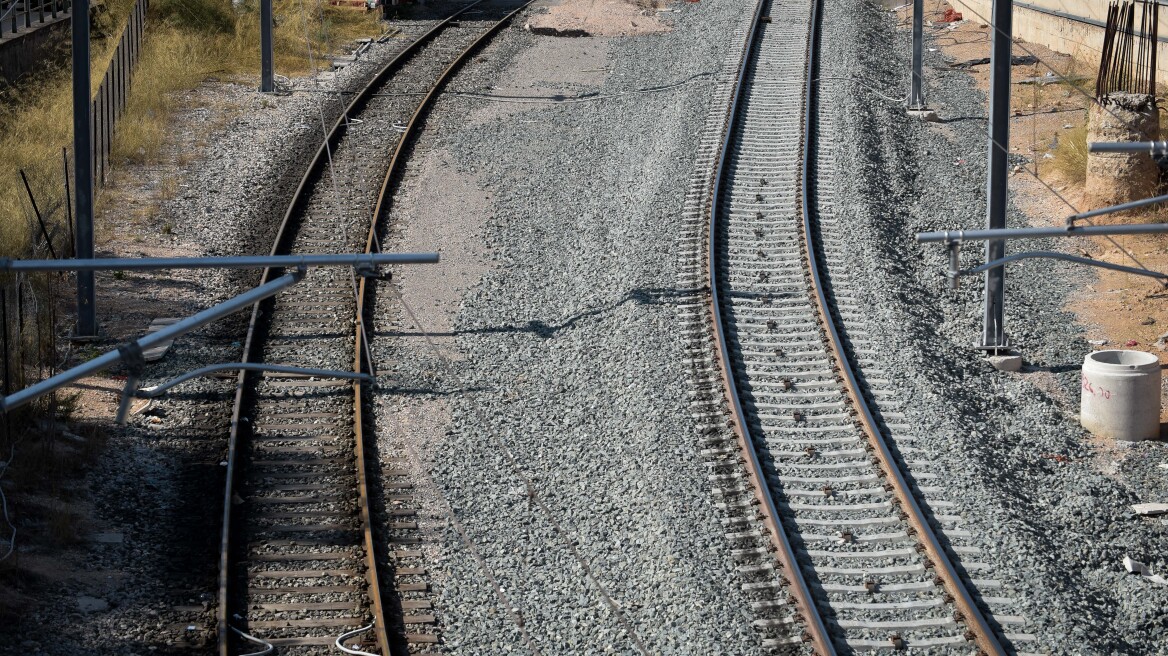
point(1136, 567)
point(1150, 509)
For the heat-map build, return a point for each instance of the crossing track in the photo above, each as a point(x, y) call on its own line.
point(839, 532)
point(304, 551)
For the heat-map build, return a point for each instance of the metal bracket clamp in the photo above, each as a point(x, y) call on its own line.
point(953, 246)
point(135, 362)
point(366, 268)
point(132, 358)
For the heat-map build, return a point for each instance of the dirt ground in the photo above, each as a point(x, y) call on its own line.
point(601, 18)
point(1049, 100)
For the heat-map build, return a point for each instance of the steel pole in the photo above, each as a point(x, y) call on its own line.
point(916, 96)
point(83, 170)
point(993, 336)
point(1153, 148)
point(267, 81)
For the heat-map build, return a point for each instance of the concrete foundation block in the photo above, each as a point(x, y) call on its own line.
point(927, 115)
point(1114, 178)
point(1005, 362)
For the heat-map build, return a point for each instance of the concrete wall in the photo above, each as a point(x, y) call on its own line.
point(1078, 38)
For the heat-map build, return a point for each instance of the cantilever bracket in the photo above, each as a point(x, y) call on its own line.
point(132, 391)
point(1051, 255)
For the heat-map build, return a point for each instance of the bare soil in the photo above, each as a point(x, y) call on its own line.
point(600, 18)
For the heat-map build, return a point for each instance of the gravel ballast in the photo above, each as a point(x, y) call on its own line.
point(1048, 504)
point(536, 386)
point(566, 497)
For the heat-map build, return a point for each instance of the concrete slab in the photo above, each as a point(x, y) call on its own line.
point(156, 353)
point(926, 115)
point(1005, 362)
point(1150, 509)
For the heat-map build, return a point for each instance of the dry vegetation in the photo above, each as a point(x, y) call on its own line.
point(186, 42)
point(1070, 158)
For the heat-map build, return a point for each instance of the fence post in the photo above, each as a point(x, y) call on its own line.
point(68, 203)
point(107, 127)
point(123, 91)
point(83, 168)
point(4, 339)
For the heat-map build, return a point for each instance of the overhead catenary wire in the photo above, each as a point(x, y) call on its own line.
point(867, 86)
point(539, 99)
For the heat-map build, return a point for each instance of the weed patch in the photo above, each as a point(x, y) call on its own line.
point(1070, 158)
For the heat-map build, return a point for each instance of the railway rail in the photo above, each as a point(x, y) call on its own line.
point(840, 532)
point(304, 549)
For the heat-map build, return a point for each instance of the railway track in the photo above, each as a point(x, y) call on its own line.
point(842, 534)
point(306, 556)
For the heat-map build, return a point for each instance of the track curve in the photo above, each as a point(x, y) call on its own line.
point(299, 554)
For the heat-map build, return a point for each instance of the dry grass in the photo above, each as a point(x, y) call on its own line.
point(186, 42)
point(35, 123)
point(1070, 158)
point(206, 38)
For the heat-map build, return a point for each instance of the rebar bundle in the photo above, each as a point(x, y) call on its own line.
point(1128, 62)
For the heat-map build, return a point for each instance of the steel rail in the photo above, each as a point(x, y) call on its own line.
point(250, 345)
point(380, 210)
point(816, 630)
point(979, 630)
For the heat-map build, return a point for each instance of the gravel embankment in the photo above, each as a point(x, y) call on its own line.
point(566, 498)
point(1048, 504)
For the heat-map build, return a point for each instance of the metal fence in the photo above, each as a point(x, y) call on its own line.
point(25, 14)
point(16, 15)
point(110, 102)
point(28, 302)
